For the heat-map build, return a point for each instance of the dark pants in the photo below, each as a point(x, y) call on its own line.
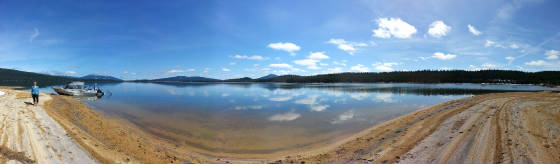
point(35, 98)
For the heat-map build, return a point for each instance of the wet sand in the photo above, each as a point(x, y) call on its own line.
point(521, 127)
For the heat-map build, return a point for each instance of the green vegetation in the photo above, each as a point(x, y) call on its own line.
point(430, 76)
point(9, 77)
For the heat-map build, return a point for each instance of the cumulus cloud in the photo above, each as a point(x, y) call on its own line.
point(552, 54)
point(442, 56)
point(280, 65)
point(384, 67)
point(285, 46)
point(309, 63)
point(312, 60)
point(538, 63)
point(289, 116)
point(359, 68)
point(393, 27)
point(254, 57)
point(225, 69)
point(34, 35)
point(191, 70)
point(318, 55)
point(347, 46)
point(438, 29)
point(473, 30)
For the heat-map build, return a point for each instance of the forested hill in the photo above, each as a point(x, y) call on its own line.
point(429, 76)
point(10, 77)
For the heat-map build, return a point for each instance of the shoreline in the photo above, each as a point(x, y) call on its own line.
point(443, 133)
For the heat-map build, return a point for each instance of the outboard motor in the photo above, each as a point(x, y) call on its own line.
point(100, 93)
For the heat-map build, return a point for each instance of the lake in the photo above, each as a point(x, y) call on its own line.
point(252, 119)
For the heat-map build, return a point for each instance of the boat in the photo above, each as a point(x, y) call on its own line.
point(78, 88)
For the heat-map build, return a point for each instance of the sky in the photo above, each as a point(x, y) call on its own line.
point(232, 39)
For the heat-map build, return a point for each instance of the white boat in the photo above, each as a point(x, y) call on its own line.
point(78, 88)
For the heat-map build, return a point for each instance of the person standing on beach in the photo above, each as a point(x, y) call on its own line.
point(35, 93)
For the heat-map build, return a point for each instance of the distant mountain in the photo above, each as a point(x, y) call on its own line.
point(10, 77)
point(269, 76)
point(244, 79)
point(185, 79)
point(100, 77)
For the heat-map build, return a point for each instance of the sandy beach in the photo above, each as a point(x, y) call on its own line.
point(520, 127)
point(29, 135)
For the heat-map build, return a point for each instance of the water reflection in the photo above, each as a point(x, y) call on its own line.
point(261, 118)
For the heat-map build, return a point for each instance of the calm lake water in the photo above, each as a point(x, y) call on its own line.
point(264, 118)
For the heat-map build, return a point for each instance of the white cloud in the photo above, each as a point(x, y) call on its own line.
point(489, 43)
point(225, 69)
point(254, 57)
point(385, 67)
point(287, 46)
point(538, 63)
point(510, 59)
point(442, 56)
point(191, 70)
point(438, 29)
point(312, 60)
point(174, 71)
point(473, 30)
point(513, 46)
point(289, 116)
point(125, 72)
point(342, 63)
point(309, 63)
point(359, 68)
point(318, 55)
point(70, 72)
point(280, 65)
point(332, 70)
point(232, 63)
point(347, 46)
point(34, 35)
point(133, 73)
point(393, 27)
point(551, 54)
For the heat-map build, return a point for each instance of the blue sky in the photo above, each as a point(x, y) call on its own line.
point(230, 39)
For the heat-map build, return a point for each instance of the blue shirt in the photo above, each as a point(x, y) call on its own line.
point(35, 90)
